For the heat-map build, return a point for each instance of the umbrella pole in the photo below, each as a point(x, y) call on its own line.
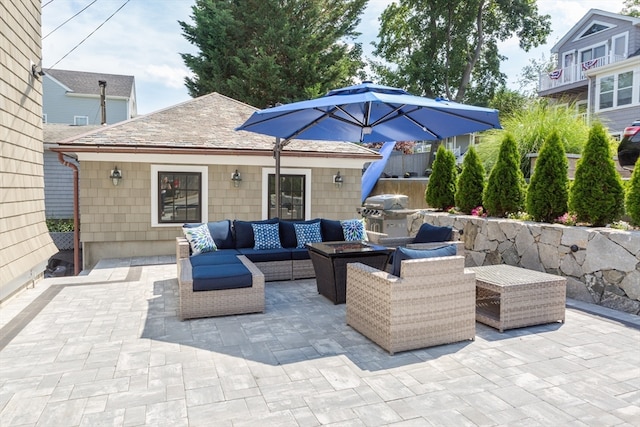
point(276, 154)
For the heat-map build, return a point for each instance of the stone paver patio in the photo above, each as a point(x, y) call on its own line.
point(107, 349)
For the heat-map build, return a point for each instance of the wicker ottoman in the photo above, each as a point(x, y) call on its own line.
point(510, 297)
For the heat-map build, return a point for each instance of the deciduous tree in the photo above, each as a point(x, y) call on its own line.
point(450, 48)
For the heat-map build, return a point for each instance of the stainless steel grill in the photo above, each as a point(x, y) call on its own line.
point(387, 213)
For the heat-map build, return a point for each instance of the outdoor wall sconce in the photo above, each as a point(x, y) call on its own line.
point(115, 176)
point(337, 180)
point(36, 71)
point(236, 178)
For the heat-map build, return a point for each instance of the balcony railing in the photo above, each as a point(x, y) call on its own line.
point(574, 73)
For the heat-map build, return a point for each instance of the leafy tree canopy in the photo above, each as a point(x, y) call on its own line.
point(450, 48)
point(270, 51)
point(631, 8)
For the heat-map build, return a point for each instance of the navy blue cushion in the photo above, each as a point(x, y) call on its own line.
point(288, 233)
point(266, 255)
point(218, 277)
point(221, 233)
point(244, 231)
point(226, 256)
point(403, 253)
point(331, 230)
point(430, 233)
point(297, 254)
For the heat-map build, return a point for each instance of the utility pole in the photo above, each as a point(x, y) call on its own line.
point(103, 101)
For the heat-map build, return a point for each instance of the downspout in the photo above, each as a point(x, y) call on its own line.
point(76, 215)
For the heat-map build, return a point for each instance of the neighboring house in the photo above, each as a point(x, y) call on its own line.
point(598, 68)
point(177, 166)
point(25, 245)
point(58, 179)
point(74, 97)
point(72, 106)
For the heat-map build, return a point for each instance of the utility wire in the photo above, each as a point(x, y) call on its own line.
point(85, 8)
point(90, 34)
point(50, 1)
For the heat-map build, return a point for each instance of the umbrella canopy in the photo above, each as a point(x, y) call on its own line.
point(367, 113)
point(371, 113)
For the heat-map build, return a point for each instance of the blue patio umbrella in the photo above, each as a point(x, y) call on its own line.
point(368, 113)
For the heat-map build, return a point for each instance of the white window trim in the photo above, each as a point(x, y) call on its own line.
point(624, 35)
point(204, 202)
point(584, 49)
point(580, 35)
point(76, 118)
point(286, 171)
point(635, 89)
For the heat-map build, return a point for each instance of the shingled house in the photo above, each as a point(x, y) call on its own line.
point(177, 165)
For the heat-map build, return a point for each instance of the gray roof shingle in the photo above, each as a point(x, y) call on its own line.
point(87, 83)
point(207, 122)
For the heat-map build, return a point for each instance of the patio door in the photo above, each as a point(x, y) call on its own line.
point(293, 189)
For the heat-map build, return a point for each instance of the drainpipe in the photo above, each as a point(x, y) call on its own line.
point(76, 215)
point(103, 103)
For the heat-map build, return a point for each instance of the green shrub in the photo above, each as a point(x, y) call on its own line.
point(441, 190)
point(470, 183)
point(529, 126)
point(505, 190)
point(547, 194)
point(596, 195)
point(633, 195)
point(59, 225)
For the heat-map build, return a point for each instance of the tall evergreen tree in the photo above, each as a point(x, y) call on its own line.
point(470, 183)
point(270, 51)
point(441, 189)
point(505, 190)
point(548, 192)
point(450, 48)
point(597, 196)
point(632, 199)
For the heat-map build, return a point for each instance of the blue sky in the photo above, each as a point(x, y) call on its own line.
point(144, 40)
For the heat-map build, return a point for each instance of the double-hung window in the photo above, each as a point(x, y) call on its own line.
point(616, 90)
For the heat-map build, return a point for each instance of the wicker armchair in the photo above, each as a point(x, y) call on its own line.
point(432, 303)
point(408, 241)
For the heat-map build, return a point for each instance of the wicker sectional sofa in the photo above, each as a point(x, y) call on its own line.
point(229, 267)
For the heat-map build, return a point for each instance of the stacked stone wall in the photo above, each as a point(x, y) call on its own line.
point(602, 265)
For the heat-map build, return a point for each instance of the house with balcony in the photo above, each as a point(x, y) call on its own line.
point(598, 68)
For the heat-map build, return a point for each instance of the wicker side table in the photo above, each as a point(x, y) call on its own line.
point(510, 297)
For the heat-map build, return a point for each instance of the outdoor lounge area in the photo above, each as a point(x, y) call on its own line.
point(108, 348)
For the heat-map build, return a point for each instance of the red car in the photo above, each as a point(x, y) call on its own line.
point(629, 148)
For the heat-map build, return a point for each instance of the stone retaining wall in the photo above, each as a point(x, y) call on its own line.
point(602, 265)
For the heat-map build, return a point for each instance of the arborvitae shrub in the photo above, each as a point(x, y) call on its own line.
point(547, 194)
point(597, 196)
point(441, 190)
point(470, 183)
point(505, 190)
point(633, 195)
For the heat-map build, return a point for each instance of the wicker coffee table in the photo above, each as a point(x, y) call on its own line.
point(510, 297)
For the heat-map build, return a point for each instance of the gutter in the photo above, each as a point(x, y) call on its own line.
point(76, 215)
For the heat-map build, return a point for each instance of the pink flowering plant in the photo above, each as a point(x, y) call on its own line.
point(479, 211)
point(567, 219)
